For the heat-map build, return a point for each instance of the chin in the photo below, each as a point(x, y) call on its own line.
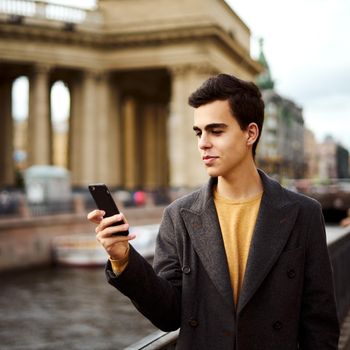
point(213, 172)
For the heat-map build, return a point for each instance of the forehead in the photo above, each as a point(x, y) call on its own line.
point(217, 112)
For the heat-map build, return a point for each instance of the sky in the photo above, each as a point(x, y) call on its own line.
point(308, 51)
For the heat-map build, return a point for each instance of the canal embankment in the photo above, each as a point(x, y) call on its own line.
point(27, 242)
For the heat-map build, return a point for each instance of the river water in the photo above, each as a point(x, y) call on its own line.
point(66, 308)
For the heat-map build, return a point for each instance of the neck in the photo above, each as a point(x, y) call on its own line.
point(242, 184)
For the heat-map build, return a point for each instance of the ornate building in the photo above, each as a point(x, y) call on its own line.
point(281, 148)
point(130, 67)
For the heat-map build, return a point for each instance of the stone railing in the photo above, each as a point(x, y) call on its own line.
point(42, 10)
point(156, 341)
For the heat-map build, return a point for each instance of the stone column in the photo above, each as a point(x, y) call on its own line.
point(150, 149)
point(39, 126)
point(162, 166)
point(7, 177)
point(88, 128)
point(75, 151)
point(95, 131)
point(186, 168)
point(108, 132)
point(130, 149)
point(164, 170)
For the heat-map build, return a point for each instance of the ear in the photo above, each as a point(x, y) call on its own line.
point(252, 133)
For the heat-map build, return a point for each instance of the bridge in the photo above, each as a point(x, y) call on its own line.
point(333, 194)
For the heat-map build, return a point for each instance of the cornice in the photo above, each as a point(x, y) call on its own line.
point(110, 41)
point(199, 68)
point(55, 35)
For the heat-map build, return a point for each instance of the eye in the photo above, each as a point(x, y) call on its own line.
point(217, 132)
point(198, 133)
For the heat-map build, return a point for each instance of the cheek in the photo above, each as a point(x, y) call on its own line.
point(233, 148)
point(228, 143)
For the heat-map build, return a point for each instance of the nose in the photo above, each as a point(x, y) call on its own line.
point(204, 142)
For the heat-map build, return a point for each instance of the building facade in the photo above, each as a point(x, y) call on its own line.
point(281, 148)
point(342, 156)
point(334, 160)
point(311, 155)
point(130, 67)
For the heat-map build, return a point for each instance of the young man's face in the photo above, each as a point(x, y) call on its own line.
point(221, 142)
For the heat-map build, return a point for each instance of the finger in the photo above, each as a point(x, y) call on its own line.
point(110, 230)
point(106, 222)
point(95, 213)
point(96, 216)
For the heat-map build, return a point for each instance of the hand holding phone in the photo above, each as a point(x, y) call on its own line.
point(104, 201)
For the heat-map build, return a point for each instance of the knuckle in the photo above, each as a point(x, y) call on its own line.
point(103, 224)
point(109, 230)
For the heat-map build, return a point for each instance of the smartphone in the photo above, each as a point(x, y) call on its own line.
point(104, 201)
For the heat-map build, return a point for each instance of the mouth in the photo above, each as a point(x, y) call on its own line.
point(209, 160)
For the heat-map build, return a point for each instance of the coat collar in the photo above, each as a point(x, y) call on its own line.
point(275, 220)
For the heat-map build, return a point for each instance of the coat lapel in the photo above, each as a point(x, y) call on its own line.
point(204, 229)
point(274, 223)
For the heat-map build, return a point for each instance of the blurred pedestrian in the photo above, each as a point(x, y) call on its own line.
point(139, 198)
point(241, 263)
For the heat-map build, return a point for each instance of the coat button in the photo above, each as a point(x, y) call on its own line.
point(186, 269)
point(277, 325)
point(193, 322)
point(291, 273)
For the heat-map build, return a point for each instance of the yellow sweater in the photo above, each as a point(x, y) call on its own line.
point(237, 222)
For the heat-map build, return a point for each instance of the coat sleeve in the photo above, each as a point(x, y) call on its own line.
point(156, 295)
point(319, 327)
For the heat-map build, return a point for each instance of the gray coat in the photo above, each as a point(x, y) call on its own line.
point(287, 298)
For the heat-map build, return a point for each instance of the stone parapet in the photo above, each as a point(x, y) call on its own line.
point(27, 242)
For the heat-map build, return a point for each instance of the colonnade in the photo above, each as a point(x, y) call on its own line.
point(118, 133)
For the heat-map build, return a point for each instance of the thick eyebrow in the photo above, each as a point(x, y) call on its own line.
point(211, 126)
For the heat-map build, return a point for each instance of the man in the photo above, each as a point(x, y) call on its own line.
point(241, 263)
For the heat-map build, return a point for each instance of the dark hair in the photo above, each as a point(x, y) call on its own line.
point(244, 98)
